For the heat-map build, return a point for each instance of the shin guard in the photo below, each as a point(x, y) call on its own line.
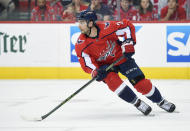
point(128, 95)
point(154, 95)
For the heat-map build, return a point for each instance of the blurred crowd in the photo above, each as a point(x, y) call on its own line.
point(67, 10)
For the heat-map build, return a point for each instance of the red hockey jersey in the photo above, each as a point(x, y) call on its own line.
point(179, 14)
point(47, 15)
point(130, 14)
point(105, 48)
point(149, 16)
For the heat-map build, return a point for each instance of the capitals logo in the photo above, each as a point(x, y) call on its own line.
point(75, 32)
point(178, 43)
point(108, 51)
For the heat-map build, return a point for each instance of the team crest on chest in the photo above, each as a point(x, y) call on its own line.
point(109, 51)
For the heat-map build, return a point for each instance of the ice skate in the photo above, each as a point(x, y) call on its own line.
point(143, 107)
point(167, 106)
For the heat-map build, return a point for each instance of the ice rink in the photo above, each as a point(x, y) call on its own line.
point(96, 108)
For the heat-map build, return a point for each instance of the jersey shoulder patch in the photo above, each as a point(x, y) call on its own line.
point(107, 24)
point(81, 39)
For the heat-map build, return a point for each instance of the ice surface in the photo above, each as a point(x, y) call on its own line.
point(96, 108)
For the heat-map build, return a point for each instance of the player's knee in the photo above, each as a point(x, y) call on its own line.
point(144, 86)
point(135, 80)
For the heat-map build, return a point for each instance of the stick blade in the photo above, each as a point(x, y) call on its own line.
point(29, 118)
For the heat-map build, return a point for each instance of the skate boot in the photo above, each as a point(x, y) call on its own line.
point(143, 107)
point(167, 106)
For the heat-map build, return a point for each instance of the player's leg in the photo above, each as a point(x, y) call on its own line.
point(136, 77)
point(145, 87)
point(117, 85)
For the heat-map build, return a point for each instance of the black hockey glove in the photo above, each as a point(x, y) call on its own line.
point(128, 48)
point(100, 73)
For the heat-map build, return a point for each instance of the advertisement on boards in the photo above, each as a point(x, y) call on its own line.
point(178, 43)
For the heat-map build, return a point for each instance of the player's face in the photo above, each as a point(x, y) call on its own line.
point(83, 27)
point(144, 4)
point(172, 4)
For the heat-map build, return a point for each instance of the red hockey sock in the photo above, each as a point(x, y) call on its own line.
point(144, 86)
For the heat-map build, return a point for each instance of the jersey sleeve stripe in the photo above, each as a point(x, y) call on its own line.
point(124, 31)
point(88, 61)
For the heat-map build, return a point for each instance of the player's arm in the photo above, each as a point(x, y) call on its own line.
point(126, 30)
point(86, 61)
point(89, 64)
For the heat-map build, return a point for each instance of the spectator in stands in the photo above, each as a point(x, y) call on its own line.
point(146, 12)
point(127, 11)
point(155, 5)
point(173, 12)
point(16, 2)
point(58, 9)
point(69, 13)
point(43, 12)
point(105, 1)
point(87, 1)
point(136, 2)
point(161, 4)
point(112, 4)
point(79, 6)
point(102, 11)
point(6, 7)
point(182, 3)
point(188, 9)
point(65, 2)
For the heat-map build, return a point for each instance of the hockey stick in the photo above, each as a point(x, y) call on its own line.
point(71, 96)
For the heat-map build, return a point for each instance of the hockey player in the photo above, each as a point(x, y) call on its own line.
point(98, 46)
